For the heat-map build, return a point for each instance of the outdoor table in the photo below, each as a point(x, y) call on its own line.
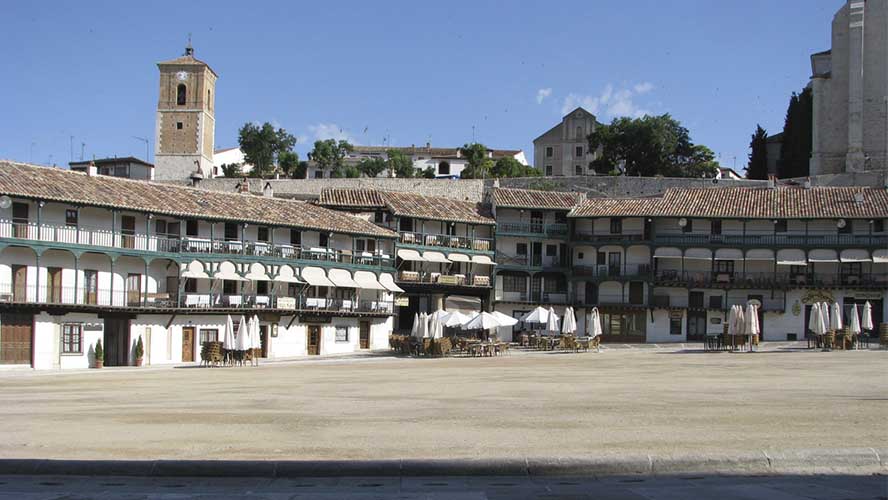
point(198, 244)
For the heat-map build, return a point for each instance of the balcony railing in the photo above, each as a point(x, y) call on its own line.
point(531, 229)
point(774, 240)
point(554, 263)
point(606, 272)
point(429, 278)
point(612, 300)
point(185, 245)
point(451, 242)
point(666, 302)
point(769, 280)
point(533, 297)
point(82, 296)
point(615, 239)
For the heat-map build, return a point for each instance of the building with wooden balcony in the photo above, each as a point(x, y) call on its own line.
point(84, 258)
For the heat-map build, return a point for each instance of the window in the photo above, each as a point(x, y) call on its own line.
point(879, 226)
point(601, 259)
point(323, 239)
point(209, 100)
point(295, 237)
point(191, 228)
point(579, 134)
point(551, 250)
point(190, 285)
point(580, 256)
point(181, 94)
point(229, 287)
point(616, 226)
point(341, 334)
point(514, 283)
point(724, 266)
point(378, 217)
point(578, 170)
point(579, 152)
point(262, 234)
point(550, 152)
point(208, 335)
point(121, 171)
point(20, 213)
point(561, 217)
point(715, 301)
point(160, 226)
point(521, 248)
point(72, 338)
point(178, 125)
point(231, 231)
point(688, 227)
point(548, 169)
point(71, 217)
point(319, 174)
point(780, 226)
point(675, 326)
point(851, 268)
point(262, 288)
point(715, 227)
point(444, 168)
point(695, 299)
point(91, 286)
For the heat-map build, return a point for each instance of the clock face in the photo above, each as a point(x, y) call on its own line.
point(182, 76)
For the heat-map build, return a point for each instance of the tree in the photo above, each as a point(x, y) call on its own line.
point(479, 164)
point(429, 173)
point(372, 167)
point(262, 147)
point(330, 155)
point(290, 166)
point(795, 152)
point(508, 166)
point(399, 164)
point(650, 146)
point(232, 170)
point(758, 157)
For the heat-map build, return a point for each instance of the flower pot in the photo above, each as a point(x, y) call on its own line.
point(100, 363)
point(138, 361)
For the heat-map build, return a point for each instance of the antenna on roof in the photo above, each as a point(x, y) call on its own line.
point(189, 50)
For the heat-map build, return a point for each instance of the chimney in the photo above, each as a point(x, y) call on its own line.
point(807, 183)
point(858, 198)
point(268, 191)
point(772, 181)
point(91, 169)
point(244, 186)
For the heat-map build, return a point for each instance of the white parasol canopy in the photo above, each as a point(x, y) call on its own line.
point(436, 324)
point(867, 319)
point(815, 322)
point(455, 319)
point(255, 341)
point(483, 321)
point(854, 320)
point(569, 323)
point(835, 319)
point(595, 322)
point(752, 326)
point(228, 335)
point(552, 321)
point(538, 315)
point(824, 315)
point(243, 335)
point(504, 319)
point(414, 330)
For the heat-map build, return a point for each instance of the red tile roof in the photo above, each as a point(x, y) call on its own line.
point(408, 205)
point(530, 198)
point(351, 198)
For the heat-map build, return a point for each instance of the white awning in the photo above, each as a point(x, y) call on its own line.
point(760, 254)
point(286, 274)
point(315, 276)
point(227, 271)
point(728, 254)
point(408, 254)
point(698, 254)
point(194, 269)
point(823, 255)
point(667, 253)
point(791, 257)
point(367, 281)
point(435, 257)
point(257, 273)
point(342, 278)
point(459, 257)
point(855, 255)
point(483, 259)
point(388, 281)
point(880, 256)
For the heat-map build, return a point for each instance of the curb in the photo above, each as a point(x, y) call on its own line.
point(806, 462)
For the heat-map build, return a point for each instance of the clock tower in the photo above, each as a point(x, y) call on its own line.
point(186, 123)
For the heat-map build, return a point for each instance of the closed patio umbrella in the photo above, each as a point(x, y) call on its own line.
point(228, 336)
point(824, 316)
point(835, 319)
point(595, 320)
point(242, 335)
point(552, 321)
point(751, 324)
point(867, 319)
point(436, 324)
point(814, 320)
point(414, 330)
point(569, 322)
point(255, 341)
point(854, 323)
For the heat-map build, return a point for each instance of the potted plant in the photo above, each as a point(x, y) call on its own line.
point(140, 351)
point(100, 354)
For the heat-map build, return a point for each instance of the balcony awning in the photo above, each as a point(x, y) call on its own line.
point(728, 254)
point(667, 253)
point(227, 271)
point(388, 281)
point(194, 270)
point(483, 259)
point(286, 274)
point(408, 254)
point(459, 257)
point(435, 257)
point(315, 276)
point(342, 278)
point(760, 254)
point(257, 273)
point(791, 257)
point(880, 256)
point(698, 254)
point(855, 255)
point(367, 281)
point(823, 255)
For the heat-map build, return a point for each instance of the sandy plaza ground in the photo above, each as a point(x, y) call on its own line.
point(621, 401)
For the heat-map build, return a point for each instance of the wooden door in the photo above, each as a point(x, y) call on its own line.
point(20, 219)
point(696, 325)
point(187, 344)
point(133, 289)
point(16, 338)
point(364, 334)
point(91, 286)
point(54, 285)
point(20, 283)
point(127, 230)
point(314, 340)
point(263, 340)
point(636, 292)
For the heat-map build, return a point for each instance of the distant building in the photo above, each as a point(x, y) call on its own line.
point(128, 167)
point(229, 156)
point(186, 120)
point(564, 149)
point(850, 85)
point(728, 173)
point(774, 148)
point(446, 162)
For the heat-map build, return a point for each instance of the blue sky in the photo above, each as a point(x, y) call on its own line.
point(410, 71)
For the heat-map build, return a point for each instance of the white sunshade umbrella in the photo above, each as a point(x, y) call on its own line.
point(752, 323)
point(835, 319)
point(414, 331)
point(455, 319)
point(814, 320)
point(504, 319)
point(824, 316)
point(552, 321)
point(436, 324)
point(484, 321)
point(241, 341)
point(867, 319)
point(854, 321)
point(255, 341)
point(228, 335)
point(595, 320)
point(569, 322)
point(538, 315)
